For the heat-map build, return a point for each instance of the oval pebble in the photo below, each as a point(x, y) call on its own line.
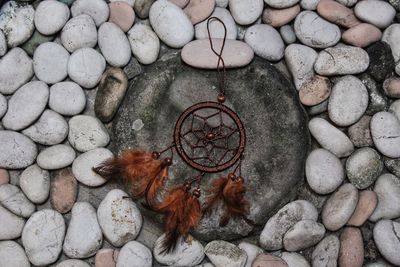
point(73, 263)
point(351, 253)
point(391, 87)
point(123, 15)
point(309, 4)
point(35, 183)
point(395, 108)
point(287, 33)
point(4, 176)
point(222, 253)
point(367, 201)
point(392, 36)
point(43, 236)
point(79, 32)
point(97, 9)
point(180, 3)
point(63, 191)
point(106, 257)
point(12, 255)
point(197, 11)
point(56, 157)
point(130, 2)
point(385, 131)
point(378, 13)
point(246, 12)
point(326, 252)
point(387, 187)
point(360, 134)
point(137, 251)
point(362, 35)
point(144, 43)
point(83, 164)
point(17, 150)
point(12, 198)
point(315, 91)
point(11, 225)
point(3, 44)
point(268, 260)
point(67, 98)
point(280, 17)
point(302, 235)
point(3, 105)
point(281, 3)
point(216, 29)
point(387, 239)
point(337, 13)
point(251, 250)
point(51, 16)
point(294, 259)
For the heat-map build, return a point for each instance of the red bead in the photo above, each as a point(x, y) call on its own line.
point(155, 155)
point(221, 98)
point(232, 176)
point(240, 179)
point(210, 136)
point(197, 192)
point(168, 161)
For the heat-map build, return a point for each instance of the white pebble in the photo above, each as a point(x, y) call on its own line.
point(246, 12)
point(385, 131)
point(56, 157)
point(51, 16)
point(11, 225)
point(300, 60)
point(302, 235)
point(12, 198)
point(294, 259)
point(67, 98)
point(3, 44)
point(326, 253)
point(12, 255)
point(287, 33)
point(35, 183)
point(387, 239)
point(309, 4)
point(281, 3)
point(134, 250)
point(376, 12)
point(17, 150)
point(216, 29)
point(73, 263)
point(392, 36)
point(3, 105)
point(251, 250)
point(387, 187)
point(97, 9)
point(144, 43)
point(79, 32)
point(222, 253)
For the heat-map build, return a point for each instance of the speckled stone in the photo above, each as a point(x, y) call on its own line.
point(63, 190)
point(351, 253)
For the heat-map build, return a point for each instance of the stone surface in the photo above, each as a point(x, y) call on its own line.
point(268, 260)
point(51, 16)
point(377, 99)
point(67, 98)
point(391, 87)
point(280, 17)
point(11, 225)
point(106, 257)
point(35, 183)
point(3, 44)
point(287, 33)
point(133, 68)
point(351, 253)
point(197, 11)
point(326, 253)
point(393, 165)
point(362, 35)
point(3, 105)
point(395, 108)
point(79, 32)
point(302, 235)
point(56, 157)
point(391, 36)
point(4, 176)
point(387, 187)
point(12, 255)
point(222, 253)
point(379, 13)
point(337, 13)
point(73, 263)
point(134, 254)
point(12, 198)
point(122, 14)
point(97, 9)
point(315, 91)
point(281, 3)
point(216, 29)
point(360, 134)
point(251, 250)
point(309, 4)
point(381, 62)
point(144, 43)
point(246, 12)
point(36, 39)
point(180, 3)
point(142, 8)
point(63, 190)
point(367, 201)
point(385, 131)
point(19, 153)
point(386, 237)
point(294, 259)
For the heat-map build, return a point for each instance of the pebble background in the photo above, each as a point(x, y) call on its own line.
point(58, 64)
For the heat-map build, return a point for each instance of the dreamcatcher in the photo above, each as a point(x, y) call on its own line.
point(210, 138)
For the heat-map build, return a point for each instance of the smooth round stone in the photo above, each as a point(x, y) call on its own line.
point(351, 253)
point(144, 43)
point(4, 177)
point(391, 87)
point(287, 33)
point(12, 198)
point(83, 164)
point(348, 3)
point(79, 32)
point(246, 12)
point(330, 137)
point(359, 133)
point(362, 35)
point(142, 8)
point(16, 68)
point(35, 183)
point(119, 218)
point(265, 41)
point(3, 44)
point(51, 16)
point(106, 257)
point(367, 201)
point(122, 14)
point(271, 237)
point(73, 263)
point(171, 24)
point(3, 105)
point(395, 108)
point(324, 171)
point(180, 3)
point(386, 237)
point(280, 17)
point(86, 133)
point(326, 252)
point(114, 45)
point(12, 255)
point(63, 191)
point(341, 60)
point(314, 31)
point(267, 260)
point(309, 4)
point(398, 69)
point(339, 207)
point(85, 67)
point(378, 13)
point(197, 11)
point(315, 91)
point(130, 2)
point(187, 252)
point(97, 9)
point(16, 22)
point(199, 54)
point(216, 28)
point(392, 36)
point(302, 235)
point(251, 250)
point(363, 167)
point(56, 157)
point(280, 4)
point(17, 150)
point(11, 225)
point(300, 60)
point(337, 13)
point(43, 236)
point(294, 259)
point(50, 129)
point(381, 61)
point(134, 251)
point(348, 101)
point(387, 187)
point(385, 131)
point(67, 98)
point(84, 236)
point(222, 253)
point(36, 39)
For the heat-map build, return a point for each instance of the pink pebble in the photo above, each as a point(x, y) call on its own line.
point(280, 17)
point(362, 35)
point(122, 14)
point(4, 177)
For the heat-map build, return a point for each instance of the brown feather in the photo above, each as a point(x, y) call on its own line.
point(216, 194)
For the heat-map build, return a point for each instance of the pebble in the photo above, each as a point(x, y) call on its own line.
point(144, 43)
point(142, 8)
point(35, 183)
point(294, 259)
point(12, 255)
point(324, 171)
point(171, 24)
point(137, 252)
point(36, 39)
point(348, 3)
point(351, 253)
point(85, 67)
point(11, 225)
point(122, 14)
point(42, 237)
point(4, 177)
point(16, 68)
point(300, 60)
point(287, 33)
point(395, 108)
point(367, 201)
point(315, 91)
point(180, 3)
point(314, 31)
point(302, 235)
point(16, 22)
point(188, 252)
point(268, 260)
point(362, 35)
point(386, 236)
point(17, 150)
point(97, 9)
point(271, 237)
point(106, 257)
point(252, 251)
point(79, 32)
point(3, 105)
point(385, 131)
point(398, 69)
point(341, 60)
point(393, 166)
point(56, 157)
point(309, 4)
point(246, 12)
point(381, 62)
point(392, 36)
point(51, 16)
point(84, 236)
point(280, 4)
point(330, 137)
point(50, 129)
point(82, 166)
point(197, 11)
point(133, 68)
point(12, 198)
point(377, 99)
point(280, 17)
point(86, 133)
point(73, 263)
point(337, 13)
point(216, 29)
point(67, 98)
point(3, 44)
point(198, 54)
point(387, 187)
point(222, 253)
point(339, 207)
point(326, 253)
point(63, 190)
point(378, 13)
point(130, 2)
point(391, 87)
